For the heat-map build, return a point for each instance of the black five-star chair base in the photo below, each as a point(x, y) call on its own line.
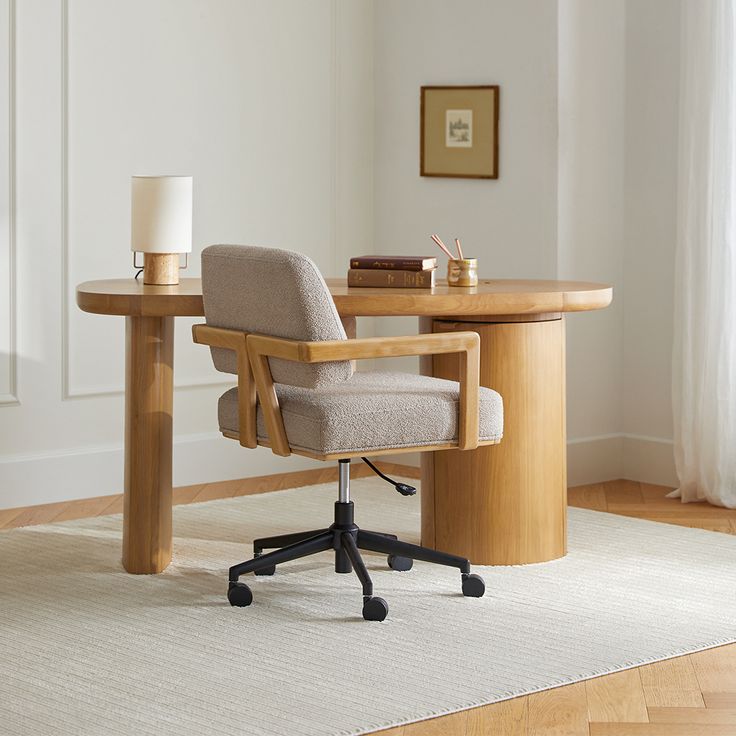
point(347, 540)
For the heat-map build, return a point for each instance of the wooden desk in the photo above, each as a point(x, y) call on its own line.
point(504, 504)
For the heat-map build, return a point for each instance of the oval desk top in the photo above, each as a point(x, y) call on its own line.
point(490, 297)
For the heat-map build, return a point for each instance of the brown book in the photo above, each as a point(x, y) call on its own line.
point(393, 263)
point(391, 279)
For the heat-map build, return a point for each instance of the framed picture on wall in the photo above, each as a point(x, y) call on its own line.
point(459, 132)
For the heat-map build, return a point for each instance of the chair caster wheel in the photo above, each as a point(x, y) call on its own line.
point(375, 609)
point(473, 585)
point(239, 595)
point(402, 564)
point(266, 571)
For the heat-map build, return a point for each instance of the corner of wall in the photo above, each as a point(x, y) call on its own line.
point(649, 460)
point(594, 459)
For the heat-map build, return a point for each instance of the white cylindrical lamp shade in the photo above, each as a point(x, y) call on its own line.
point(161, 225)
point(161, 214)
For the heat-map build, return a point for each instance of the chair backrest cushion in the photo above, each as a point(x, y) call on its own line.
point(274, 292)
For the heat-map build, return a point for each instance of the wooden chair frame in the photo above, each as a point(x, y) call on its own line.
point(254, 378)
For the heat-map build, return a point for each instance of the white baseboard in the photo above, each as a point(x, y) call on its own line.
point(594, 459)
point(27, 480)
point(608, 457)
point(650, 460)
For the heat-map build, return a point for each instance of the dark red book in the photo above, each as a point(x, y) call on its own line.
point(394, 263)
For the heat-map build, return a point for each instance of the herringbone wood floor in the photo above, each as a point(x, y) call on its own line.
point(693, 695)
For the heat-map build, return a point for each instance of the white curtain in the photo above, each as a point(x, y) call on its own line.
point(704, 358)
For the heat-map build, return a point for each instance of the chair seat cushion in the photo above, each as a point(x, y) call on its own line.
point(370, 411)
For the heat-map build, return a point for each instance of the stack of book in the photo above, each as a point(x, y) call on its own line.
point(398, 272)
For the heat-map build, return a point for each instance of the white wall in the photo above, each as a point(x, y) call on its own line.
point(268, 105)
point(557, 209)
point(590, 237)
point(619, 77)
point(586, 191)
point(271, 107)
point(652, 111)
point(509, 224)
point(8, 389)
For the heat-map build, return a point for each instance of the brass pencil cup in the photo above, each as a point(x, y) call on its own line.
point(462, 272)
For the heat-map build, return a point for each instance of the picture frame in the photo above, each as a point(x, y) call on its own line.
point(459, 131)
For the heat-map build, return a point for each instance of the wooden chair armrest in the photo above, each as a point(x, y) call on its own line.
point(466, 344)
point(364, 348)
point(217, 337)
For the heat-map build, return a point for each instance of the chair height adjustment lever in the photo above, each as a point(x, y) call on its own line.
point(403, 488)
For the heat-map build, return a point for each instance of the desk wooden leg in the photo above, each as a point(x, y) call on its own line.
point(505, 504)
point(426, 368)
point(149, 396)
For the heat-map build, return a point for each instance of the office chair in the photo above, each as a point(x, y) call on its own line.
point(270, 319)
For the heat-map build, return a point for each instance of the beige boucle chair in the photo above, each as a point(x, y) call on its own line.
point(270, 320)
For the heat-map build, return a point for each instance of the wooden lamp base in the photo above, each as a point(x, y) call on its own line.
point(161, 269)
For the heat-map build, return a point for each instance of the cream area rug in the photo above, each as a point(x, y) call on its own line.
point(87, 649)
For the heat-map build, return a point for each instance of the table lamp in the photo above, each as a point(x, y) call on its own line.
point(161, 225)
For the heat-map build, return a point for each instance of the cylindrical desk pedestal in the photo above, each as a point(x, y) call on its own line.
point(505, 504)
